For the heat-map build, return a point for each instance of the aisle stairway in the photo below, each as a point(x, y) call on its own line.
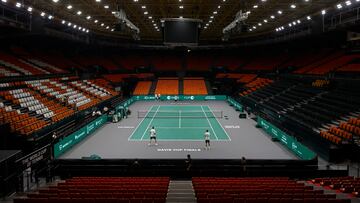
point(153, 87)
point(208, 87)
point(181, 86)
point(329, 191)
point(181, 191)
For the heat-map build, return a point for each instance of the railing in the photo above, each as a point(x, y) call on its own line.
point(18, 18)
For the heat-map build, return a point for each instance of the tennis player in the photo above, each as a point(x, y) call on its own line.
point(207, 139)
point(153, 135)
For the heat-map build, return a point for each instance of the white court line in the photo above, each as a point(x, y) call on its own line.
point(180, 140)
point(220, 124)
point(182, 127)
point(209, 123)
point(150, 122)
point(182, 106)
point(140, 123)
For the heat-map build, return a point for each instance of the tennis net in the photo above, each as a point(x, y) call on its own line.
point(180, 114)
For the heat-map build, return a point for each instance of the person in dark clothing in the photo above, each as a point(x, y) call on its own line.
point(243, 164)
point(188, 163)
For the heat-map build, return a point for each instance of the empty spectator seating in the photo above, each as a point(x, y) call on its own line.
point(320, 83)
point(256, 84)
point(25, 110)
point(331, 137)
point(44, 65)
point(104, 189)
point(335, 61)
point(334, 64)
point(326, 57)
point(229, 75)
point(323, 111)
point(63, 93)
point(95, 60)
point(229, 62)
point(142, 88)
point(130, 62)
point(344, 184)
point(115, 78)
point(354, 67)
point(8, 72)
point(20, 65)
point(281, 96)
point(242, 78)
point(258, 190)
point(246, 78)
point(46, 101)
point(195, 87)
point(38, 62)
point(90, 87)
point(305, 58)
point(166, 62)
point(198, 62)
point(344, 132)
point(167, 86)
point(265, 63)
point(56, 59)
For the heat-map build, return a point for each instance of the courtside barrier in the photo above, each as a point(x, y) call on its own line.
point(68, 142)
point(236, 104)
point(290, 142)
point(181, 97)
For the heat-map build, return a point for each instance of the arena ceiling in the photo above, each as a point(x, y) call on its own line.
point(146, 14)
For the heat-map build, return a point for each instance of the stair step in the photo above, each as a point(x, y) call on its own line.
point(180, 187)
point(181, 195)
point(176, 190)
point(181, 200)
point(180, 191)
point(181, 182)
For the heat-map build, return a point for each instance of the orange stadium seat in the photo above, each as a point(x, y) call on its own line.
point(43, 102)
point(167, 87)
point(195, 87)
point(142, 88)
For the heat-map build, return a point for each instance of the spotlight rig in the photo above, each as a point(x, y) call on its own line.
point(238, 25)
point(126, 24)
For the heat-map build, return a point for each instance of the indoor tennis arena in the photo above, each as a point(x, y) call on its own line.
point(179, 101)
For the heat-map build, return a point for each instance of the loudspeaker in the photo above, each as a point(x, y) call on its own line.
point(242, 115)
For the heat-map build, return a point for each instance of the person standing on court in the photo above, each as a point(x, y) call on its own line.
point(207, 140)
point(153, 135)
